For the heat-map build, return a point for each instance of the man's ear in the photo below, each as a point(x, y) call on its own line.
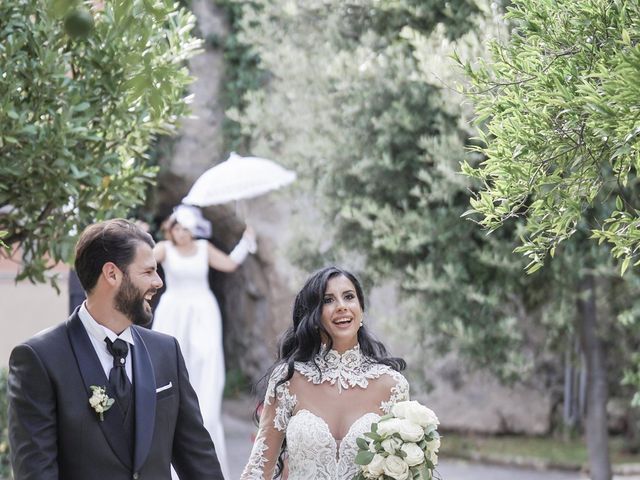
point(111, 273)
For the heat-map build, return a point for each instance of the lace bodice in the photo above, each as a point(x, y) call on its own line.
point(320, 411)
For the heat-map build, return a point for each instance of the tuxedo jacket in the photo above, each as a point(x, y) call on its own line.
point(54, 433)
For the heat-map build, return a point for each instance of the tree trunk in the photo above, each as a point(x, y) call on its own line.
point(597, 391)
point(632, 435)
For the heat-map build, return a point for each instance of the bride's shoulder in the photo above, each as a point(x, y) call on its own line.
point(278, 384)
point(390, 379)
point(279, 376)
point(279, 372)
point(395, 386)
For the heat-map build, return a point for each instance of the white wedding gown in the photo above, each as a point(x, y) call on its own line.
point(320, 412)
point(188, 310)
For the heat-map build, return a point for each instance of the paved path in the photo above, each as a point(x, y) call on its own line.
point(239, 428)
point(459, 470)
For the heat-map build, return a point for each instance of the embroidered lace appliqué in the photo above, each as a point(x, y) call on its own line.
point(255, 468)
point(348, 370)
point(313, 453)
point(399, 392)
point(285, 400)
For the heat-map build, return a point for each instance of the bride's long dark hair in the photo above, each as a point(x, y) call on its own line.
point(303, 340)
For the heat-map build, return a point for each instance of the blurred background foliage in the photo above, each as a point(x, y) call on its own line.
point(369, 112)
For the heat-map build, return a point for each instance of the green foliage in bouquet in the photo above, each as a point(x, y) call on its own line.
point(402, 444)
point(365, 455)
point(84, 88)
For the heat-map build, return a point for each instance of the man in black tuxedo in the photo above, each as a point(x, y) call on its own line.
point(153, 420)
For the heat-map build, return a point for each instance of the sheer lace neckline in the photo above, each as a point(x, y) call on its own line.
point(337, 442)
point(348, 369)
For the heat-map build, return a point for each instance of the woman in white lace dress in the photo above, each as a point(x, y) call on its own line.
point(188, 310)
point(332, 380)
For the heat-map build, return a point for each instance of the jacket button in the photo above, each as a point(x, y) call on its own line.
point(136, 476)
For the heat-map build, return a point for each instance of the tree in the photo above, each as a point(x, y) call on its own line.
point(562, 138)
point(85, 87)
point(557, 106)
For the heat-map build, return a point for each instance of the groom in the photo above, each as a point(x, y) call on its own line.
point(143, 413)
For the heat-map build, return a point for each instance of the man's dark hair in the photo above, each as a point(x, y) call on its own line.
point(110, 241)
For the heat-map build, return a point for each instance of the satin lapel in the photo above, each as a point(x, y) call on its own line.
point(144, 384)
point(93, 374)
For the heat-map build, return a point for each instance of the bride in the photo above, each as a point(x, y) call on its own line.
point(331, 382)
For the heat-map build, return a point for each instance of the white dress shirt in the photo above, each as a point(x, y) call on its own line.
point(97, 334)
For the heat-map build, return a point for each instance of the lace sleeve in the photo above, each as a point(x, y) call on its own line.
point(276, 411)
point(399, 392)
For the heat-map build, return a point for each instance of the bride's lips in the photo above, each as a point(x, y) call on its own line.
point(342, 322)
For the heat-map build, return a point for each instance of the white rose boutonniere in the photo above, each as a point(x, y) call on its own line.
point(100, 401)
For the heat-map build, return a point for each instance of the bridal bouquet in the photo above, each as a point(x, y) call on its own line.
point(402, 445)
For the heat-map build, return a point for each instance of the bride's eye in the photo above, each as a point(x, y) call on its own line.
point(349, 296)
point(327, 300)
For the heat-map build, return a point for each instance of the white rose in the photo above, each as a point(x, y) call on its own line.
point(94, 402)
point(433, 457)
point(376, 466)
point(416, 412)
point(409, 431)
point(391, 444)
point(388, 427)
point(434, 445)
point(367, 473)
point(99, 408)
point(415, 455)
point(395, 467)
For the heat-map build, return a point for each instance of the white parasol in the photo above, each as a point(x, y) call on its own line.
point(237, 178)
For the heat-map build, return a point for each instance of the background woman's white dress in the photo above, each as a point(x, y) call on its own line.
point(188, 310)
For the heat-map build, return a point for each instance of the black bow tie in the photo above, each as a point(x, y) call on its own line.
point(118, 375)
point(118, 350)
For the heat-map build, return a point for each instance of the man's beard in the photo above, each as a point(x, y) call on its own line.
point(129, 300)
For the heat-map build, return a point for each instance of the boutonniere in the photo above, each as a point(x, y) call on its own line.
point(100, 401)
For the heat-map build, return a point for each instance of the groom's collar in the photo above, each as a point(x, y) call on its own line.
point(99, 332)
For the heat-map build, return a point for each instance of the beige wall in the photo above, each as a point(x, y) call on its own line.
point(25, 309)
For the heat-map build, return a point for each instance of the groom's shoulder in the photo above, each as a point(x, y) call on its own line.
point(151, 337)
point(48, 340)
point(49, 335)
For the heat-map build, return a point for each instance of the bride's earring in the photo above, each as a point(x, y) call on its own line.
point(360, 322)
